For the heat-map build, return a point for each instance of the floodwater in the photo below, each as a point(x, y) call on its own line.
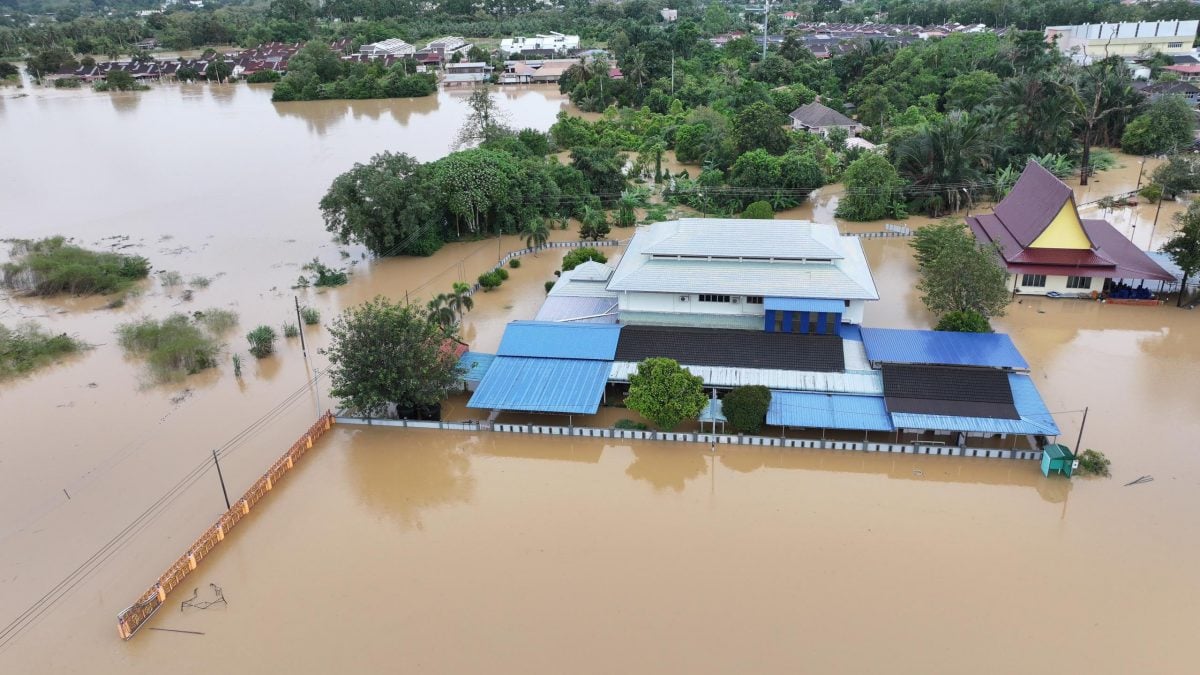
point(441, 552)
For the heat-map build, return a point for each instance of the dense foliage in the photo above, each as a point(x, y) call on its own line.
point(578, 256)
point(1184, 245)
point(385, 353)
point(957, 273)
point(51, 266)
point(315, 72)
point(665, 393)
point(964, 321)
point(1166, 126)
point(746, 408)
point(29, 347)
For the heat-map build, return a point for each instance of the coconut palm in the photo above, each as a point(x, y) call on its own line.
point(636, 69)
point(460, 299)
point(441, 312)
point(537, 233)
point(626, 205)
point(945, 161)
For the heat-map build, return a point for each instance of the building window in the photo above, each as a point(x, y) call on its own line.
point(1034, 280)
point(715, 298)
point(1079, 282)
point(1174, 45)
point(754, 299)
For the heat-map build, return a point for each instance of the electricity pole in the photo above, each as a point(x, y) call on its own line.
point(300, 327)
point(222, 479)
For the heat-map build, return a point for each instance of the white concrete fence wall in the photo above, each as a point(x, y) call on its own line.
point(705, 438)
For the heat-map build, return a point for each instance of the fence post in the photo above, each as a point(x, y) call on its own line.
point(245, 508)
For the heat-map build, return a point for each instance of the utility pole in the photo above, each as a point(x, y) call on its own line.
point(672, 73)
point(222, 479)
point(300, 327)
point(317, 389)
point(1079, 442)
point(766, 15)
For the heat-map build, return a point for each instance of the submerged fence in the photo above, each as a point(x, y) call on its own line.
point(130, 619)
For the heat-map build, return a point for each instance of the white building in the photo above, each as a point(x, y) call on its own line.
point(391, 47)
point(1135, 39)
point(554, 42)
point(448, 46)
point(790, 276)
point(669, 15)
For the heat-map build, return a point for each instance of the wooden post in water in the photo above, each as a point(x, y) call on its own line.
point(1079, 442)
point(300, 327)
point(222, 479)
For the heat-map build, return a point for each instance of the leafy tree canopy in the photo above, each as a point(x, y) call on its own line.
point(665, 393)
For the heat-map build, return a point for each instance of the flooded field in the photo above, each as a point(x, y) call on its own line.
point(444, 552)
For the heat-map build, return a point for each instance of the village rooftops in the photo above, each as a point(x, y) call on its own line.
point(779, 258)
point(816, 115)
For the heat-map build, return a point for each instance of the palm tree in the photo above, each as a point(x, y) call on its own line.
point(441, 313)
point(460, 299)
point(636, 69)
point(626, 215)
point(945, 160)
point(595, 223)
point(536, 234)
point(730, 73)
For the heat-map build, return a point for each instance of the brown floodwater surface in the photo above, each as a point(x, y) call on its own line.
point(392, 549)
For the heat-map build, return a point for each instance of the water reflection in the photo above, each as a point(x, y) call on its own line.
point(402, 474)
point(223, 94)
point(667, 466)
point(125, 102)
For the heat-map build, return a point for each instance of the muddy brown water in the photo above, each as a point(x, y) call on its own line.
point(446, 552)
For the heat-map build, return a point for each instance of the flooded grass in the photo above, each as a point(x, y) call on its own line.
point(52, 266)
point(29, 347)
point(177, 346)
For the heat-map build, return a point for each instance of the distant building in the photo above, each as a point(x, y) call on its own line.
point(820, 119)
point(553, 43)
point(669, 14)
point(472, 72)
point(1189, 91)
point(447, 47)
point(1141, 39)
point(533, 72)
point(1047, 248)
point(391, 47)
point(1187, 72)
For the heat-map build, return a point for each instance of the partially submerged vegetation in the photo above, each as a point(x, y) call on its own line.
point(262, 341)
point(52, 266)
point(1094, 463)
point(179, 345)
point(323, 275)
point(29, 347)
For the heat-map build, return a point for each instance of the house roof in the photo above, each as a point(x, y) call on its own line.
point(597, 342)
point(940, 390)
point(1032, 203)
point(571, 386)
point(931, 347)
point(816, 114)
point(1033, 416)
point(1184, 68)
point(828, 411)
point(864, 382)
point(577, 309)
point(1171, 88)
point(733, 348)
point(846, 277)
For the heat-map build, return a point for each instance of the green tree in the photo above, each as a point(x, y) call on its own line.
point(968, 90)
point(966, 321)
point(441, 311)
point(387, 205)
point(604, 170)
point(958, 274)
point(759, 211)
point(1178, 174)
point(746, 408)
point(49, 61)
point(262, 341)
point(218, 69)
point(665, 393)
point(760, 125)
point(382, 352)
point(593, 223)
point(484, 119)
point(461, 300)
point(120, 80)
point(578, 256)
point(1166, 126)
point(1184, 245)
point(945, 160)
point(537, 233)
point(626, 209)
point(872, 188)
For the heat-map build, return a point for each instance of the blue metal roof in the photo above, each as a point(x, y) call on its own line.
point(896, 345)
point(828, 411)
point(805, 305)
point(851, 331)
point(550, 340)
point(714, 411)
point(476, 364)
point(1035, 418)
point(572, 386)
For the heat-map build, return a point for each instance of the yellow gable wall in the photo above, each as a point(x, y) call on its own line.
point(1065, 231)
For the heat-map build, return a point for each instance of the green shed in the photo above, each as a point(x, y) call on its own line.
point(1058, 457)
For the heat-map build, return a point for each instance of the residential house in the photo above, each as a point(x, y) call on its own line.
point(552, 43)
point(447, 47)
point(669, 15)
point(1134, 39)
point(788, 276)
point(534, 72)
point(472, 72)
point(1048, 249)
point(1189, 91)
point(1187, 72)
point(817, 118)
point(390, 47)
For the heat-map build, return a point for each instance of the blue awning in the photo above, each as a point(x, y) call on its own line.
point(897, 345)
point(805, 305)
point(828, 411)
point(476, 364)
point(572, 386)
point(1035, 418)
point(550, 340)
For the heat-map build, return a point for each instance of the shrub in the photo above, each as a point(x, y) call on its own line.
point(759, 211)
point(262, 341)
point(965, 321)
point(514, 263)
point(549, 285)
point(290, 330)
point(1094, 463)
point(68, 83)
point(52, 266)
point(29, 347)
point(325, 275)
point(170, 279)
point(746, 408)
point(310, 316)
point(217, 321)
point(1152, 192)
point(263, 76)
point(173, 348)
point(502, 273)
point(490, 280)
point(665, 393)
point(580, 255)
point(199, 282)
point(237, 365)
point(630, 424)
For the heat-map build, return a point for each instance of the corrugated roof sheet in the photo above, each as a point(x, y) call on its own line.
point(804, 305)
point(568, 309)
point(714, 411)
point(869, 382)
point(828, 411)
point(544, 339)
point(734, 237)
point(476, 364)
point(898, 345)
point(740, 348)
point(1035, 418)
point(570, 386)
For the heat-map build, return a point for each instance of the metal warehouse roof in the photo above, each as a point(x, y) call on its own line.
point(851, 382)
point(804, 305)
point(1035, 418)
point(828, 411)
point(897, 345)
point(564, 308)
point(571, 386)
point(476, 364)
point(550, 340)
point(734, 237)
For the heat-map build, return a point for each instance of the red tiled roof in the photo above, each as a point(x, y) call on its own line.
point(1185, 68)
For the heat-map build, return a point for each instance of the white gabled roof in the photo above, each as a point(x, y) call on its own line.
point(590, 271)
point(845, 277)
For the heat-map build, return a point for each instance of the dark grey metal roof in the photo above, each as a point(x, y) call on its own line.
point(734, 348)
point(816, 114)
point(957, 392)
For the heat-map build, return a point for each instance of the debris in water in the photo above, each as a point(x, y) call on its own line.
point(918, 473)
point(196, 603)
point(1140, 480)
point(181, 396)
point(176, 630)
